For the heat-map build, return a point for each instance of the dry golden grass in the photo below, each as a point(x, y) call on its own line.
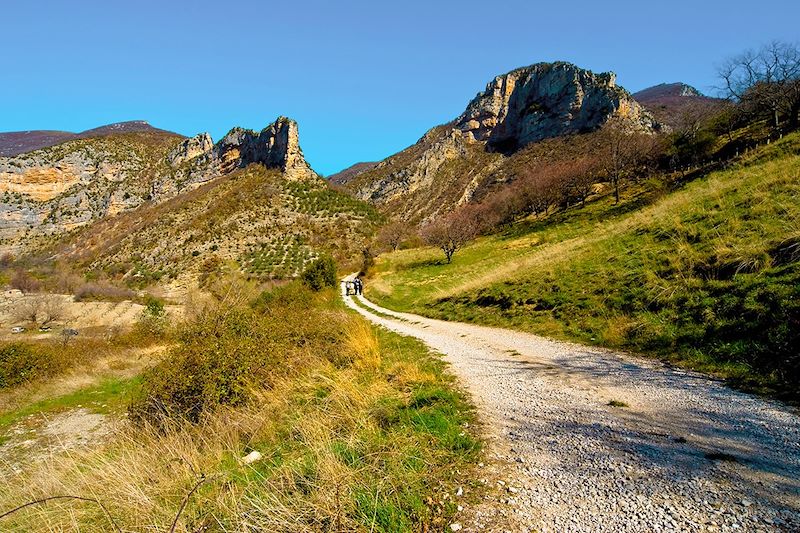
point(355, 439)
point(111, 362)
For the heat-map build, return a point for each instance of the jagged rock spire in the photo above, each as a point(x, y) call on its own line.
point(276, 146)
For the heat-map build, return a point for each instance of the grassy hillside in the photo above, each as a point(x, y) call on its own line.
point(358, 429)
point(707, 275)
point(253, 221)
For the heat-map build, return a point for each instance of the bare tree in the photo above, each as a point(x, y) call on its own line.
point(24, 282)
point(393, 234)
point(766, 80)
point(51, 308)
point(451, 232)
point(626, 153)
point(542, 188)
point(27, 310)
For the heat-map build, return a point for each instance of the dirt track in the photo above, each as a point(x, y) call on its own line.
point(600, 441)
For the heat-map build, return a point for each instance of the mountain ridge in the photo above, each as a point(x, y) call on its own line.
point(453, 162)
point(58, 188)
point(19, 142)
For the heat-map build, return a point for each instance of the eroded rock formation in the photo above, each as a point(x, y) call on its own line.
point(548, 100)
point(451, 162)
point(276, 146)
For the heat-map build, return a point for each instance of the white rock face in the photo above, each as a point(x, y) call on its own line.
point(190, 149)
point(548, 100)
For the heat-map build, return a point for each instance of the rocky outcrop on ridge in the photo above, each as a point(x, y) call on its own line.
point(53, 189)
point(450, 163)
point(191, 148)
point(276, 146)
point(548, 100)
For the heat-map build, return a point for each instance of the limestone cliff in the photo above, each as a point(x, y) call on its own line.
point(276, 146)
point(50, 190)
point(190, 149)
point(548, 100)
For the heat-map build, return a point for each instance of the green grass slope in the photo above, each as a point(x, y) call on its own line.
point(707, 276)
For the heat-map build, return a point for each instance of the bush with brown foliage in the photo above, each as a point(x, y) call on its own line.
point(451, 232)
point(25, 282)
point(103, 292)
point(393, 234)
point(535, 191)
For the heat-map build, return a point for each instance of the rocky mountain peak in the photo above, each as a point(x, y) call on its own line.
point(276, 146)
point(547, 100)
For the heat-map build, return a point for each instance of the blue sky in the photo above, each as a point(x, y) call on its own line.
point(363, 79)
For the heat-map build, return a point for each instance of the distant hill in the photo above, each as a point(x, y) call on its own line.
point(676, 103)
point(19, 142)
point(344, 176)
point(665, 90)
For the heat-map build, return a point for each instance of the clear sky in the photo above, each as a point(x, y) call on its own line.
point(364, 79)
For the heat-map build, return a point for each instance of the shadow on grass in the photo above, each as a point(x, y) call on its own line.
point(422, 263)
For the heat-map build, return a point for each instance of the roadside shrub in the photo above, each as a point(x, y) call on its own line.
point(153, 321)
point(102, 292)
point(229, 352)
point(23, 362)
point(294, 294)
point(19, 363)
point(320, 274)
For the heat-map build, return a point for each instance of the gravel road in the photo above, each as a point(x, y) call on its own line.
point(595, 440)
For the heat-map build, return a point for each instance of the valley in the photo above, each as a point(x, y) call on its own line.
point(581, 313)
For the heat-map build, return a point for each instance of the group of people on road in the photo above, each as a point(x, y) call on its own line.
point(355, 286)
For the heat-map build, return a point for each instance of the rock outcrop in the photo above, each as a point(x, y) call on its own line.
point(448, 165)
point(60, 187)
point(190, 149)
point(276, 146)
point(547, 100)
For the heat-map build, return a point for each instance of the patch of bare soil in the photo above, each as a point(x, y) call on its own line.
point(40, 437)
point(95, 318)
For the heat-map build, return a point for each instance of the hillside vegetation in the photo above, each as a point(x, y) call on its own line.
point(47, 191)
point(707, 275)
point(355, 429)
point(252, 221)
